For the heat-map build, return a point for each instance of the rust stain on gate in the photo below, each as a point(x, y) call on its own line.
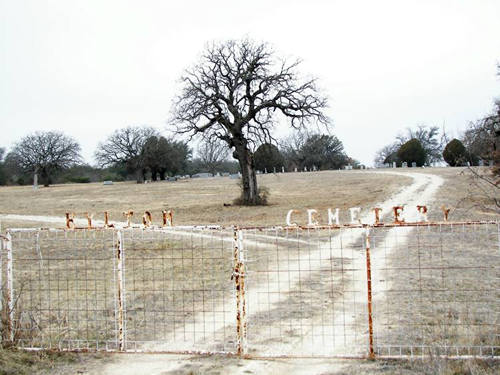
point(239, 280)
point(371, 353)
point(120, 291)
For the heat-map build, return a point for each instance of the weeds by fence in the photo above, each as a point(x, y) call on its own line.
point(352, 291)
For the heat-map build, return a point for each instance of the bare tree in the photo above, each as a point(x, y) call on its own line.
point(387, 154)
point(46, 153)
point(484, 190)
point(212, 152)
point(290, 149)
point(483, 138)
point(236, 92)
point(125, 146)
point(480, 137)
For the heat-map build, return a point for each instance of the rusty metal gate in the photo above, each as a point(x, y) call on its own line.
point(382, 290)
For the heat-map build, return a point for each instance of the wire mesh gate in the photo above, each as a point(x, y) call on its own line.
point(333, 291)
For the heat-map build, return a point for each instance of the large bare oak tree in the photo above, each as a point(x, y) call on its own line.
point(236, 93)
point(46, 153)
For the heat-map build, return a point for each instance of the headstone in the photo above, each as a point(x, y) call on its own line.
point(394, 164)
point(468, 163)
point(225, 174)
point(274, 170)
point(107, 183)
point(234, 176)
point(35, 181)
point(481, 163)
point(404, 165)
point(282, 169)
point(202, 175)
point(413, 164)
point(171, 179)
point(490, 163)
point(305, 169)
point(295, 170)
point(265, 170)
point(314, 168)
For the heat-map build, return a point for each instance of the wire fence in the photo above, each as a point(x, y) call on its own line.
point(349, 291)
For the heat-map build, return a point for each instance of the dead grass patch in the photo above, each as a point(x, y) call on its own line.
point(201, 201)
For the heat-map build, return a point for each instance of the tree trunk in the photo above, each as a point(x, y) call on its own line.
point(250, 194)
point(46, 177)
point(139, 177)
point(154, 174)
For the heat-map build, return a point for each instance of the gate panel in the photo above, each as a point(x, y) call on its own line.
point(436, 290)
point(64, 295)
point(179, 295)
point(306, 292)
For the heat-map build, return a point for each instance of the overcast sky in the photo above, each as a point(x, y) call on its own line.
point(90, 67)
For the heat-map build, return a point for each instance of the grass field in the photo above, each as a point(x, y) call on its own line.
point(201, 202)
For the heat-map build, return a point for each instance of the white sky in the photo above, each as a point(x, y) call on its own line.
point(90, 67)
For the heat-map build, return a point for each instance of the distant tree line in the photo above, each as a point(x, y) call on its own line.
point(303, 150)
point(141, 153)
point(427, 145)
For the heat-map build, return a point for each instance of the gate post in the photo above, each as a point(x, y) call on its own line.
point(371, 353)
point(10, 289)
point(3, 240)
point(239, 280)
point(120, 287)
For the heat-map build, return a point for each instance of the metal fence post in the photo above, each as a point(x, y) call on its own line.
point(10, 289)
point(371, 353)
point(2, 247)
point(243, 290)
point(120, 287)
point(239, 279)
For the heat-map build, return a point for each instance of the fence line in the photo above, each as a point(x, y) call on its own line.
point(371, 291)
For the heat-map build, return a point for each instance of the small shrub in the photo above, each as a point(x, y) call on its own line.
point(78, 179)
point(262, 197)
point(113, 177)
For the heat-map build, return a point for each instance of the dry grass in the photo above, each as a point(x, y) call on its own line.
point(459, 194)
point(18, 362)
point(201, 201)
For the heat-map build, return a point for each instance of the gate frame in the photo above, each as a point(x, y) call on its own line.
point(239, 279)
